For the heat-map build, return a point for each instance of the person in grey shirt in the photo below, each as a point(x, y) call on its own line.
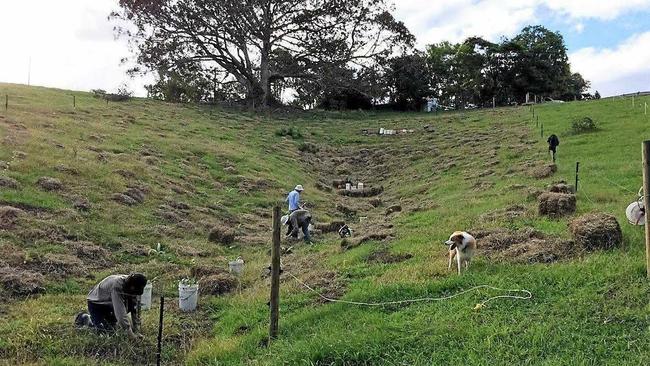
point(299, 219)
point(112, 299)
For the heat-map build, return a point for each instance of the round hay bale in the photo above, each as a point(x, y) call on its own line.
point(18, 282)
point(49, 184)
point(123, 199)
point(9, 216)
point(596, 231)
point(561, 187)
point(82, 204)
point(543, 171)
point(221, 235)
point(200, 271)
point(218, 284)
point(556, 204)
point(9, 183)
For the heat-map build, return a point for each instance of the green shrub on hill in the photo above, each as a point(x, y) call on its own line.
point(583, 125)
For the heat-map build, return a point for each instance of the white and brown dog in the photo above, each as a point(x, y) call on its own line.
point(462, 246)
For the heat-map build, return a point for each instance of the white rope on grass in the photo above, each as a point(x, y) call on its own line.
point(528, 296)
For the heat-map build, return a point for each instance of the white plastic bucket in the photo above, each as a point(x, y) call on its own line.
point(236, 267)
point(188, 297)
point(145, 299)
point(348, 186)
point(635, 214)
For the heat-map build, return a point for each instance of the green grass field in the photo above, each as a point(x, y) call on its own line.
point(229, 168)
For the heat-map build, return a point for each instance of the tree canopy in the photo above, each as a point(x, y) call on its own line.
point(332, 54)
point(259, 46)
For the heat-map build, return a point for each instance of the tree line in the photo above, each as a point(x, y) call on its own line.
point(335, 54)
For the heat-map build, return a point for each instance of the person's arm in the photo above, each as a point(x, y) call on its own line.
point(135, 315)
point(119, 309)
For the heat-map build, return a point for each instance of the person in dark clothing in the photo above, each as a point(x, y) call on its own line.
point(553, 143)
point(111, 300)
point(299, 219)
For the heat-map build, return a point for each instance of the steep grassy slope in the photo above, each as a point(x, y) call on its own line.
point(199, 168)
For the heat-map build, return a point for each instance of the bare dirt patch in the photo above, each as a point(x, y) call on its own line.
point(386, 257)
point(66, 169)
point(327, 283)
point(505, 214)
point(379, 235)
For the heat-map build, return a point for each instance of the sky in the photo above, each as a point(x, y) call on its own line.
point(72, 45)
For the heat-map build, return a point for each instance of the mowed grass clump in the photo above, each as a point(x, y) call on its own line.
point(200, 168)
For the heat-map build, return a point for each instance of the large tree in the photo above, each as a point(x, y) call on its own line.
point(257, 43)
point(476, 71)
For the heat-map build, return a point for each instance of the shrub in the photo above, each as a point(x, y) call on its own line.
point(308, 147)
point(293, 132)
point(583, 125)
point(98, 93)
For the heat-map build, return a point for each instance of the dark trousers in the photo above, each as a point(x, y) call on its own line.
point(102, 316)
point(294, 231)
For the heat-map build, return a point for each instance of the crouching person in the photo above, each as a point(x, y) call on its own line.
point(299, 219)
point(111, 300)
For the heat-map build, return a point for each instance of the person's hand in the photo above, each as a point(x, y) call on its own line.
point(135, 336)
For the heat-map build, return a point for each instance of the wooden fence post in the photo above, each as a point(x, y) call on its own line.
point(160, 330)
point(577, 168)
point(646, 201)
point(275, 275)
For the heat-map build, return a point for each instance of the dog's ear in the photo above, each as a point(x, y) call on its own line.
point(458, 238)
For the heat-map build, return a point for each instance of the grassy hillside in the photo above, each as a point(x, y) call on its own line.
point(194, 169)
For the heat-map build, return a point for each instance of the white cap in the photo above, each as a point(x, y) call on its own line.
point(299, 188)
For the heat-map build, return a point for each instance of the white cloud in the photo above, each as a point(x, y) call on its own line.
point(599, 9)
point(70, 42)
point(454, 21)
point(579, 27)
point(624, 68)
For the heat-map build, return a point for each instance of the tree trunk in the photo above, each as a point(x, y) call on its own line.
point(265, 74)
point(265, 71)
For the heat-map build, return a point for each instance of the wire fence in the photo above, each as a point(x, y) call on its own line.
point(527, 296)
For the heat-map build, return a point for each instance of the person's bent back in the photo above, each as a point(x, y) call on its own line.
point(113, 298)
